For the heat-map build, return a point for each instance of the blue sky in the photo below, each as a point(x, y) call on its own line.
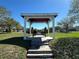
point(16, 7)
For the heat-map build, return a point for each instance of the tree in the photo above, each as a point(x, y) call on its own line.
point(73, 15)
point(74, 7)
point(57, 28)
point(10, 22)
point(64, 25)
point(74, 10)
point(18, 26)
point(3, 14)
point(7, 21)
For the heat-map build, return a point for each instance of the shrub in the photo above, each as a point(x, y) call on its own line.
point(66, 48)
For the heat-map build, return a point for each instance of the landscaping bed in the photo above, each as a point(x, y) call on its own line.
point(66, 48)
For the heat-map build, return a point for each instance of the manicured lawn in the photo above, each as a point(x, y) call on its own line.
point(65, 35)
point(12, 34)
point(12, 46)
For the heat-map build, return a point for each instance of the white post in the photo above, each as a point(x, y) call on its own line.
point(53, 27)
point(30, 28)
point(48, 26)
point(24, 29)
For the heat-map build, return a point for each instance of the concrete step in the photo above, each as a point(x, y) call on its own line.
point(39, 52)
point(46, 43)
point(39, 36)
point(42, 48)
point(40, 55)
point(39, 58)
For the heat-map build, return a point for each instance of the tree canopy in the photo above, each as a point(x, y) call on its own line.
point(7, 21)
point(74, 10)
point(72, 16)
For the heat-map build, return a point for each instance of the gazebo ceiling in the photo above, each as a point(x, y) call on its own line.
point(39, 19)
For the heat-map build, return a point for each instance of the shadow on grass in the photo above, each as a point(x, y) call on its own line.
point(29, 43)
point(17, 41)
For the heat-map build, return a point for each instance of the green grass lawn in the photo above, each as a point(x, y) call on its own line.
point(65, 35)
point(9, 35)
point(12, 47)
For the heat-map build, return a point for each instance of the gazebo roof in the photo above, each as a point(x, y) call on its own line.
point(38, 14)
point(38, 17)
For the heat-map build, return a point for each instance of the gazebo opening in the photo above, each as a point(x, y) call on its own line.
point(39, 18)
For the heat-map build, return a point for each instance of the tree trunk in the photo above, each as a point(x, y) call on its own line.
point(9, 28)
point(67, 29)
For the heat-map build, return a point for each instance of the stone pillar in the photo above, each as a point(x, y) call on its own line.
point(53, 27)
point(24, 29)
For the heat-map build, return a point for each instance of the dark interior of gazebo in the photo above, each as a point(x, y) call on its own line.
point(39, 19)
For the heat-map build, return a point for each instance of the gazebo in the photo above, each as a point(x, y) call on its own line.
point(39, 17)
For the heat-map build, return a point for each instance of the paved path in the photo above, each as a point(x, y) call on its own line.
point(40, 48)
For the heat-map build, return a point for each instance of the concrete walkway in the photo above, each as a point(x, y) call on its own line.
point(40, 48)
